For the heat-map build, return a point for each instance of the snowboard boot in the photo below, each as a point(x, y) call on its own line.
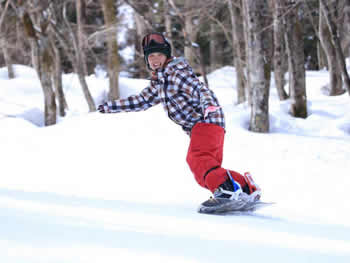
point(224, 195)
point(232, 190)
point(230, 196)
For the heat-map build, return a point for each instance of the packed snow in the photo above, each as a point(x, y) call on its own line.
point(116, 187)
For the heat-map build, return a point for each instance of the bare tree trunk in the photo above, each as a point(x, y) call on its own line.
point(336, 42)
point(57, 80)
point(167, 21)
point(238, 41)
point(47, 72)
point(336, 82)
point(202, 65)
point(141, 30)
point(295, 50)
point(7, 58)
point(189, 32)
point(3, 42)
point(77, 61)
point(43, 61)
point(192, 50)
point(260, 71)
point(214, 64)
point(279, 51)
point(321, 56)
point(190, 39)
point(346, 29)
point(247, 50)
point(80, 7)
point(109, 12)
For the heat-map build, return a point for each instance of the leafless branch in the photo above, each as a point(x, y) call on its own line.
point(4, 13)
point(221, 25)
point(140, 12)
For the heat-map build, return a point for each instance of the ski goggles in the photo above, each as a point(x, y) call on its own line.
point(155, 37)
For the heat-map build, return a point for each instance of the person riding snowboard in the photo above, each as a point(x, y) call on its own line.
point(193, 106)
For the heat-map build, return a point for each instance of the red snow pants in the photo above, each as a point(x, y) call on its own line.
point(205, 155)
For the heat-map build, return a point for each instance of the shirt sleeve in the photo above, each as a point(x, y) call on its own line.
point(147, 98)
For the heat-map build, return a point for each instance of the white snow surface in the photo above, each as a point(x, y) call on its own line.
point(116, 187)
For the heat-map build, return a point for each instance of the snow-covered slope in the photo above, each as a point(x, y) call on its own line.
point(116, 187)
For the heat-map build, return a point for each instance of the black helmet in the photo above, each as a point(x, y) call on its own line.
point(155, 42)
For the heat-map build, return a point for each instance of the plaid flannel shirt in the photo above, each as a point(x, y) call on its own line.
point(182, 95)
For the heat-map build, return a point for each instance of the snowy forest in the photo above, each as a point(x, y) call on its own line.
point(78, 186)
point(257, 37)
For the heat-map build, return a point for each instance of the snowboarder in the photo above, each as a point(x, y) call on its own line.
point(193, 106)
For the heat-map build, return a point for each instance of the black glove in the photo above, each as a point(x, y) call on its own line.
point(102, 109)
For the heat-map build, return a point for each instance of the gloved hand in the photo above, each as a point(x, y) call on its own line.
point(210, 109)
point(102, 109)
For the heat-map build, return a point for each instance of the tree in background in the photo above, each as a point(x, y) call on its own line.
point(327, 12)
point(143, 21)
point(345, 27)
point(257, 13)
point(280, 64)
point(191, 18)
point(336, 82)
point(110, 17)
point(238, 47)
point(76, 36)
point(76, 56)
point(80, 8)
point(42, 53)
point(4, 37)
point(296, 61)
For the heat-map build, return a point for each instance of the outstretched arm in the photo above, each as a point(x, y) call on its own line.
point(143, 101)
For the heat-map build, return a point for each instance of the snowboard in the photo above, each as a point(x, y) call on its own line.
point(220, 206)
